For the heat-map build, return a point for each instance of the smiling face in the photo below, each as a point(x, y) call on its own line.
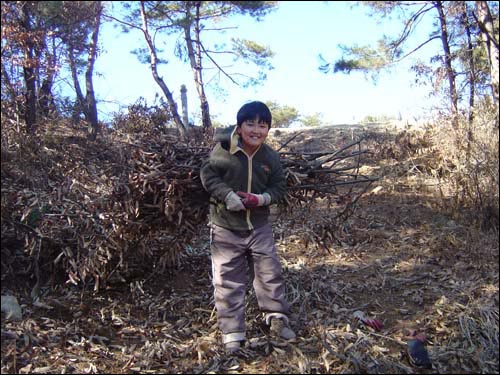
point(253, 133)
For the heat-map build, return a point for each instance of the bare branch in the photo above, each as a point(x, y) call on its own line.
point(217, 65)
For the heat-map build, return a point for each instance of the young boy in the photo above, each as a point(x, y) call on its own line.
point(244, 176)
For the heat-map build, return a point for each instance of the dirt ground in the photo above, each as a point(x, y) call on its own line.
point(400, 259)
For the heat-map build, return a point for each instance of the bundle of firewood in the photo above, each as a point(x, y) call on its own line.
point(327, 181)
point(164, 186)
point(164, 190)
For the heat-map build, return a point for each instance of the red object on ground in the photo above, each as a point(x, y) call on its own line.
point(376, 324)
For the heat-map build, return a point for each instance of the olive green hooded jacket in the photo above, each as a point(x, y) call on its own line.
point(229, 168)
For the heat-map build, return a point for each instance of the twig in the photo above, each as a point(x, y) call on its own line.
point(291, 139)
point(316, 186)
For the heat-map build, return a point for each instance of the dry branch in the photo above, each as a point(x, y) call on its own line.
point(327, 178)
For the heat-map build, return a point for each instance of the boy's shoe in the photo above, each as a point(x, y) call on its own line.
point(281, 328)
point(232, 347)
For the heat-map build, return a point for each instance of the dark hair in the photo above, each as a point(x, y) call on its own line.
point(252, 111)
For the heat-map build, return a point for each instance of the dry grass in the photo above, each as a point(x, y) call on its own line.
point(467, 169)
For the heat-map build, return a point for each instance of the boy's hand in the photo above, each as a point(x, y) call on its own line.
point(254, 200)
point(233, 202)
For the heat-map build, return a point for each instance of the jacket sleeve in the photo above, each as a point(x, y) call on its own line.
point(211, 177)
point(277, 182)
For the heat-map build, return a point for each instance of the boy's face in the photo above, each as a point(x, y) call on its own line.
point(253, 133)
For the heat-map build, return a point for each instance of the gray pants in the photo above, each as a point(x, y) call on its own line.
point(231, 252)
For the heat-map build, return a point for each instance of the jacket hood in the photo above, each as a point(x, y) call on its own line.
point(224, 134)
point(228, 138)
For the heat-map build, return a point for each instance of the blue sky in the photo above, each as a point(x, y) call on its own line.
point(297, 33)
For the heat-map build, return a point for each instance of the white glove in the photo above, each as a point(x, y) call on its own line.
point(233, 202)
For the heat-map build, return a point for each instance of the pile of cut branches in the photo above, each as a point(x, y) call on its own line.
point(166, 189)
point(319, 179)
point(128, 206)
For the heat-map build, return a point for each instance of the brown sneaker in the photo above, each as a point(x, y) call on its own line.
point(280, 328)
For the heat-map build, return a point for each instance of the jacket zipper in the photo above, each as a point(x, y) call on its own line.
point(249, 188)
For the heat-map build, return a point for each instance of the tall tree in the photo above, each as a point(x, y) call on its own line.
point(390, 50)
point(154, 69)
point(20, 40)
point(35, 37)
point(149, 54)
point(490, 39)
point(79, 23)
point(194, 47)
point(196, 15)
point(190, 20)
point(90, 101)
point(450, 73)
point(48, 54)
point(457, 31)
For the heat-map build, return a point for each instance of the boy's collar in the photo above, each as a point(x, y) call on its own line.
point(235, 142)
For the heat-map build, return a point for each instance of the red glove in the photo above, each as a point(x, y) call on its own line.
point(250, 200)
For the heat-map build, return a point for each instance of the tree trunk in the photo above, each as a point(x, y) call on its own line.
point(29, 73)
point(485, 23)
point(80, 99)
point(447, 62)
point(45, 98)
point(194, 53)
point(90, 102)
point(30, 99)
point(471, 76)
point(46, 103)
point(172, 105)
